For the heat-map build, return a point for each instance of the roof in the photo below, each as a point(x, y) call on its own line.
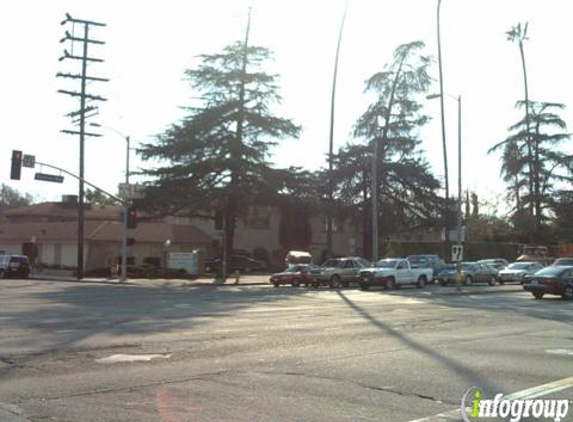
point(101, 231)
point(58, 210)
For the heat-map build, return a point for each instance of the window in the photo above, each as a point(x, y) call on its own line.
point(258, 218)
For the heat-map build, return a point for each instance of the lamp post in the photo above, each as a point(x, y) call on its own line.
point(123, 276)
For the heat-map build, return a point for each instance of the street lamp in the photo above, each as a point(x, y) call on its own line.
point(125, 202)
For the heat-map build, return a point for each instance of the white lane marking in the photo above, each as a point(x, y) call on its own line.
point(132, 358)
point(566, 352)
point(530, 393)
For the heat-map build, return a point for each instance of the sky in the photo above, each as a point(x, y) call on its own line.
point(149, 44)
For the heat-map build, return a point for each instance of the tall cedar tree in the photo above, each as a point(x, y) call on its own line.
point(406, 188)
point(217, 157)
point(541, 134)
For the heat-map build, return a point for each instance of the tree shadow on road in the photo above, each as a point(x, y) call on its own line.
point(62, 318)
point(464, 372)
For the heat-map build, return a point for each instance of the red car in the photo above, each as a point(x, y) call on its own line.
point(295, 275)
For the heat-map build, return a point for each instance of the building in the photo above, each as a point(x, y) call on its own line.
point(47, 233)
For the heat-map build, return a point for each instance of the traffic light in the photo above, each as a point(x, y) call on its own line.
point(131, 217)
point(16, 169)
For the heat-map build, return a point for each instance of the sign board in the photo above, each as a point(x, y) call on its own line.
point(183, 260)
point(49, 177)
point(457, 253)
point(29, 161)
point(131, 191)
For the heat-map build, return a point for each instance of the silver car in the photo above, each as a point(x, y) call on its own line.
point(517, 271)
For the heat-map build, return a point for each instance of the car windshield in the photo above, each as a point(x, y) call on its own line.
point(333, 263)
point(386, 263)
point(294, 268)
point(563, 262)
point(468, 266)
point(19, 259)
point(518, 266)
point(449, 267)
point(550, 272)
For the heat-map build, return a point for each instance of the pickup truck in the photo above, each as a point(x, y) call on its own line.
point(392, 273)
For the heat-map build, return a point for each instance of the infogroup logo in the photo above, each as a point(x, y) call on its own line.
point(474, 407)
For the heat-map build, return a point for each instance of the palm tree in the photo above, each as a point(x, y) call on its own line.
point(518, 34)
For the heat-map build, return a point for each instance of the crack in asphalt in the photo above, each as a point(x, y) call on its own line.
point(201, 377)
point(362, 385)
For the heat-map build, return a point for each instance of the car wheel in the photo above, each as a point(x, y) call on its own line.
point(501, 282)
point(247, 270)
point(443, 283)
point(421, 282)
point(538, 295)
point(364, 287)
point(276, 284)
point(468, 281)
point(491, 281)
point(568, 292)
point(295, 282)
point(390, 284)
point(2, 275)
point(335, 282)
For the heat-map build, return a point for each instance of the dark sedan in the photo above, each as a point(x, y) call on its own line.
point(241, 263)
point(551, 280)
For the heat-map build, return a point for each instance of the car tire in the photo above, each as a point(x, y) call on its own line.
point(247, 270)
point(538, 295)
point(364, 287)
point(2, 274)
point(276, 284)
point(390, 284)
point(295, 282)
point(443, 283)
point(421, 282)
point(468, 281)
point(501, 282)
point(491, 281)
point(568, 292)
point(335, 282)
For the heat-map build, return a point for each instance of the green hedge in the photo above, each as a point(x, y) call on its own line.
point(473, 251)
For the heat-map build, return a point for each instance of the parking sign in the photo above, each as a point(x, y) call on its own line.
point(457, 253)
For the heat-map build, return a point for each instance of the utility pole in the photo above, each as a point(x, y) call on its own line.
point(86, 110)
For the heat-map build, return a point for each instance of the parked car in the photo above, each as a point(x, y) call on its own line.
point(517, 271)
point(14, 266)
point(394, 272)
point(298, 257)
point(432, 260)
point(497, 263)
point(240, 263)
point(563, 262)
point(295, 275)
point(337, 272)
point(471, 272)
point(552, 280)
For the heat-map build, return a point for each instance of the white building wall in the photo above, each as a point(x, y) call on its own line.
point(47, 254)
point(70, 255)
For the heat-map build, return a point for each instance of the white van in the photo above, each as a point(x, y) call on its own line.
point(298, 257)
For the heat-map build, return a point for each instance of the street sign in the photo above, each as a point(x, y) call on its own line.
point(457, 253)
point(29, 161)
point(49, 177)
point(131, 191)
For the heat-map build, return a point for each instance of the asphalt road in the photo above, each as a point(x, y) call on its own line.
point(176, 352)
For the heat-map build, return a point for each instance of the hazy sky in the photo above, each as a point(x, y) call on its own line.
point(150, 43)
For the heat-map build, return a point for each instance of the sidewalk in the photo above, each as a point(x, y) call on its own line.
point(67, 276)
